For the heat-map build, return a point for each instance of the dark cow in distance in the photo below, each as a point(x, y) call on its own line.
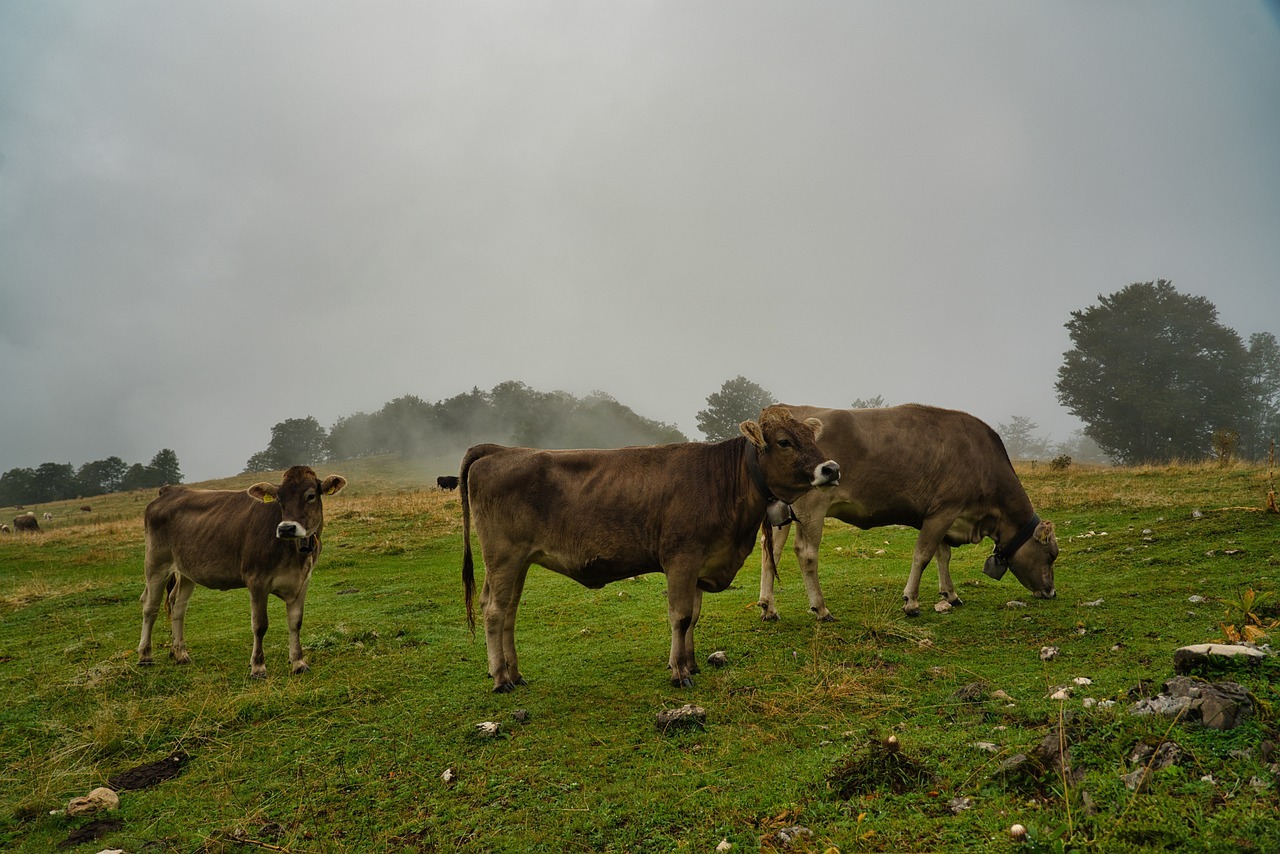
point(942, 472)
point(446, 481)
point(26, 522)
point(265, 538)
point(690, 510)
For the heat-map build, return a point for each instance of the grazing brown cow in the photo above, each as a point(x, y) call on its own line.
point(447, 481)
point(691, 511)
point(942, 472)
point(266, 538)
point(26, 522)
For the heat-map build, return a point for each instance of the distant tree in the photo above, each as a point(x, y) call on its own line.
point(353, 436)
point(165, 465)
point(1021, 441)
point(17, 485)
point(101, 476)
point(876, 402)
point(295, 441)
point(1153, 374)
point(404, 426)
point(1262, 424)
point(1081, 449)
point(141, 477)
point(737, 400)
point(53, 482)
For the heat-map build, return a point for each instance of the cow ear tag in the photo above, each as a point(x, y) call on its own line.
point(995, 568)
point(267, 498)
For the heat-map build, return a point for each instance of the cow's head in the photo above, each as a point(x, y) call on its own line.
point(790, 460)
point(1032, 561)
point(301, 511)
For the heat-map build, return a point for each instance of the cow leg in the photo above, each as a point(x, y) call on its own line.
point(946, 589)
point(808, 538)
point(692, 660)
point(499, 600)
point(258, 618)
point(683, 601)
point(293, 611)
point(768, 610)
point(931, 534)
point(178, 598)
point(153, 593)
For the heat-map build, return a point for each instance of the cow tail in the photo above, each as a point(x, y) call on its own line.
point(468, 563)
point(171, 583)
point(766, 528)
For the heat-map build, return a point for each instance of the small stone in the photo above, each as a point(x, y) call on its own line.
point(1015, 603)
point(724, 846)
point(1094, 604)
point(1048, 653)
point(687, 715)
point(942, 607)
point(449, 777)
point(488, 729)
point(1001, 695)
point(959, 805)
point(986, 745)
point(99, 800)
point(1082, 680)
point(1196, 599)
point(718, 658)
point(1208, 655)
point(520, 716)
point(1061, 694)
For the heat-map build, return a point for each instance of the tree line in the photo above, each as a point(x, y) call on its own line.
point(511, 413)
point(61, 481)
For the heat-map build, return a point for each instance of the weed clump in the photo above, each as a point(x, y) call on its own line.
point(878, 767)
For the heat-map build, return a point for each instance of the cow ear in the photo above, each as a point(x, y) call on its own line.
point(1044, 532)
point(816, 425)
point(754, 434)
point(264, 492)
point(333, 484)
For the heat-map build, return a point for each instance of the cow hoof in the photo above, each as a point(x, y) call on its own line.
point(683, 682)
point(823, 618)
point(258, 674)
point(146, 663)
point(301, 667)
point(957, 602)
point(911, 612)
point(504, 688)
point(769, 617)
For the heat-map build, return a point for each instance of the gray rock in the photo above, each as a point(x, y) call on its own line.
point(1216, 705)
point(718, 658)
point(687, 715)
point(1205, 656)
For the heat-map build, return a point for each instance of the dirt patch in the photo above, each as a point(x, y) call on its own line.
point(146, 776)
point(91, 831)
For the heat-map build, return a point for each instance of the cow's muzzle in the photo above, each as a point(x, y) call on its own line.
point(827, 474)
point(290, 531)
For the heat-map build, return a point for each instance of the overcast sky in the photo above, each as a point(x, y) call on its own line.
point(217, 216)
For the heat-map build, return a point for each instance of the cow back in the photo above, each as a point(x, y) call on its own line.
point(219, 538)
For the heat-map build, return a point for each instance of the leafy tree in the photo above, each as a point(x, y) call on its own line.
point(295, 441)
point(101, 476)
point(737, 400)
point(53, 482)
point(876, 402)
point(17, 486)
point(165, 465)
point(141, 477)
point(1021, 441)
point(1153, 374)
point(1263, 424)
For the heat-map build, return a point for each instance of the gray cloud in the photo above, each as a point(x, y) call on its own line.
point(213, 218)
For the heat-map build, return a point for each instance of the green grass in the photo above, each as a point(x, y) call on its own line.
point(350, 755)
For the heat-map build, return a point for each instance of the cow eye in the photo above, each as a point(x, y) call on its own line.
point(311, 496)
point(784, 443)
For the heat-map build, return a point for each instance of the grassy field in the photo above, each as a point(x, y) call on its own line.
point(351, 755)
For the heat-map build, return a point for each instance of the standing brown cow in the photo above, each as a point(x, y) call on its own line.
point(26, 522)
point(942, 472)
point(691, 511)
point(266, 538)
